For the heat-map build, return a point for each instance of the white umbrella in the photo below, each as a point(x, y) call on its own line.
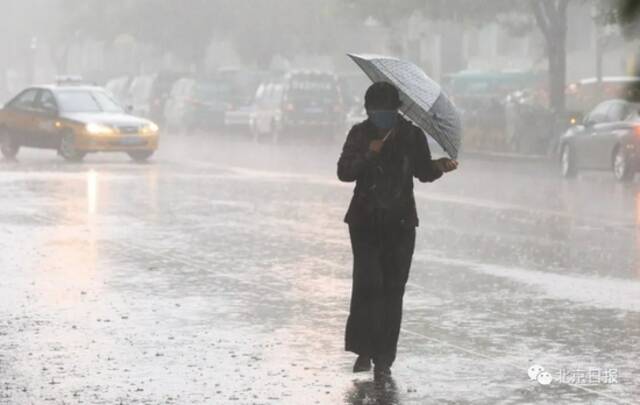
point(423, 100)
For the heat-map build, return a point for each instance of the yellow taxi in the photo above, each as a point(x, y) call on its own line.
point(74, 120)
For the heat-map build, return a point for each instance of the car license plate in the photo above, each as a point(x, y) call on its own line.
point(131, 140)
point(313, 110)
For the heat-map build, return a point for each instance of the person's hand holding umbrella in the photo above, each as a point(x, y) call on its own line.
point(443, 164)
point(376, 145)
point(446, 164)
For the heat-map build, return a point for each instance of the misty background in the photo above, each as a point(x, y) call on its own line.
point(219, 271)
point(100, 40)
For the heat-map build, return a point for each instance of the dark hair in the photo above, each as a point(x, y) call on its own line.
point(382, 96)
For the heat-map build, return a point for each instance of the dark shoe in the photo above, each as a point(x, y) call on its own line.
point(363, 363)
point(381, 373)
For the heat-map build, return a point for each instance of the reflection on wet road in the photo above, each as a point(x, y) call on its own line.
point(220, 273)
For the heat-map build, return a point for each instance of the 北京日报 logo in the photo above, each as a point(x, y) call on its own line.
point(537, 373)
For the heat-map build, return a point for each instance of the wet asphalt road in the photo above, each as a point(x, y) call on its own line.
point(219, 273)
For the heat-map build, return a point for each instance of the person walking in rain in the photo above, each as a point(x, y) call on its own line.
point(382, 155)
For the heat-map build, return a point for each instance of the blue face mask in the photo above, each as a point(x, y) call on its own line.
point(384, 119)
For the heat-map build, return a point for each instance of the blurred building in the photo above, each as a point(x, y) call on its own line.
point(448, 47)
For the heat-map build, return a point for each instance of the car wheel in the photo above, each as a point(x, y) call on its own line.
point(140, 155)
point(67, 148)
point(8, 146)
point(568, 162)
point(621, 166)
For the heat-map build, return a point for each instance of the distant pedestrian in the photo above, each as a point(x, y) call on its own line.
point(382, 155)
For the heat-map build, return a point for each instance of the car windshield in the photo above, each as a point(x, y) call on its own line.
point(241, 85)
point(634, 112)
point(313, 87)
point(87, 101)
point(211, 91)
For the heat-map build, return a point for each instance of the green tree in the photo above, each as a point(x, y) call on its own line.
point(257, 28)
point(627, 11)
point(550, 17)
point(286, 27)
point(624, 13)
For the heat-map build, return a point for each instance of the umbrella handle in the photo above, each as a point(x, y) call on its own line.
point(387, 135)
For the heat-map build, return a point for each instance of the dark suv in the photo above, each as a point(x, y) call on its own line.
point(298, 104)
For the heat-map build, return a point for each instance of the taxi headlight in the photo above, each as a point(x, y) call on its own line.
point(98, 129)
point(149, 129)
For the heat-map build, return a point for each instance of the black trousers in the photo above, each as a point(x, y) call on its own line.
point(381, 261)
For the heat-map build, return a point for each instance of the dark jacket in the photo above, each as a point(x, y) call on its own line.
point(358, 164)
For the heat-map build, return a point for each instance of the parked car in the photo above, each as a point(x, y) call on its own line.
point(160, 93)
point(532, 127)
point(242, 84)
point(242, 107)
point(74, 120)
point(297, 104)
point(175, 108)
point(240, 119)
point(149, 93)
point(139, 95)
point(119, 88)
point(197, 104)
point(608, 139)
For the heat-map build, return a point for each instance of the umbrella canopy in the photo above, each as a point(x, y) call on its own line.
point(423, 100)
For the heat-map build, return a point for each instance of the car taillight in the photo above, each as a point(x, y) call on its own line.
point(636, 131)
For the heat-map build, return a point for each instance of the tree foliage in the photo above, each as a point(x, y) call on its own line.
point(257, 28)
point(469, 12)
point(550, 17)
point(624, 13)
